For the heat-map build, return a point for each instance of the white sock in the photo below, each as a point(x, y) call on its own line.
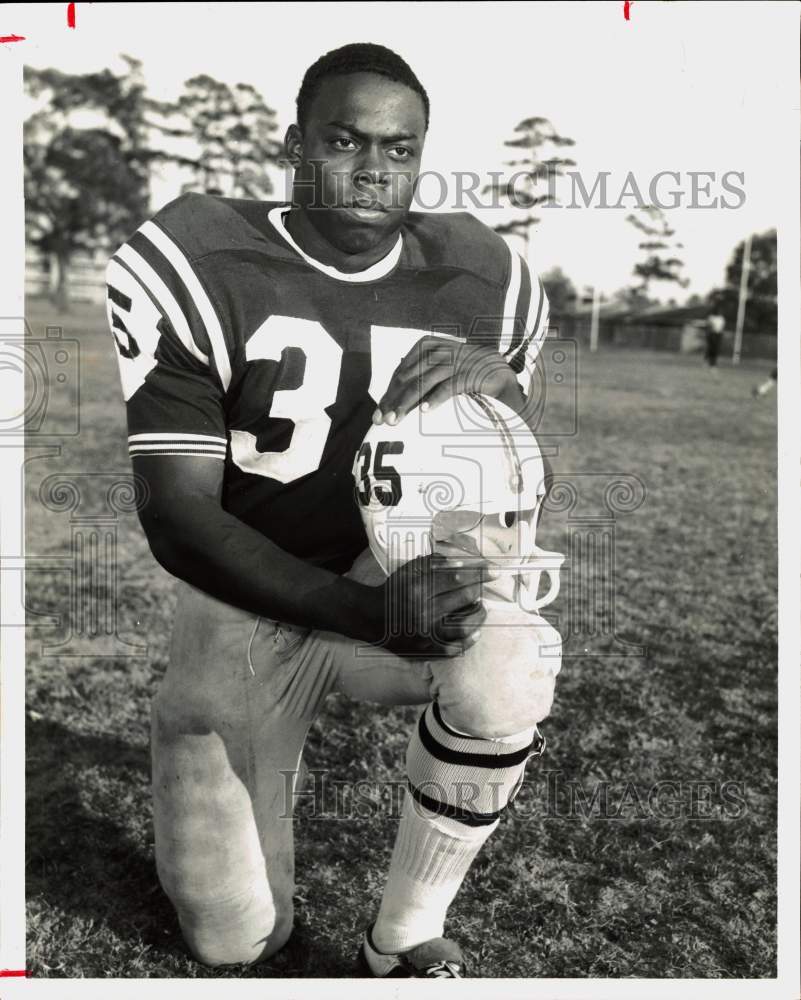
point(458, 787)
point(431, 857)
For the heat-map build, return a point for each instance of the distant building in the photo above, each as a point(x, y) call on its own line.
point(658, 328)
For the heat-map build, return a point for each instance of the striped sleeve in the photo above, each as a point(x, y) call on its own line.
point(525, 320)
point(173, 363)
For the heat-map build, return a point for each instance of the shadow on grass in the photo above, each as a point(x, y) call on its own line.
point(90, 860)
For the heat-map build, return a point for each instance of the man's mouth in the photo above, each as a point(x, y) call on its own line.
point(368, 210)
point(368, 213)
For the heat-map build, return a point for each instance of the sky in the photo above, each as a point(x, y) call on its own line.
point(682, 87)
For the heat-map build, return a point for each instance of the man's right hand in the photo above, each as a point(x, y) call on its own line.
point(432, 606)
point(429, 607)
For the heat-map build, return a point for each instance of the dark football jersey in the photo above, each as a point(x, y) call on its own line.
point(235, 345)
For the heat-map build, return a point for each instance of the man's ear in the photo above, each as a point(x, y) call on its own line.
point(293, 145)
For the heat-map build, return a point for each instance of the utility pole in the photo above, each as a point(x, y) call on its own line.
point(596, 312)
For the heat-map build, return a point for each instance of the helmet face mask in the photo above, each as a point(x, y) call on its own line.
point(505, 538)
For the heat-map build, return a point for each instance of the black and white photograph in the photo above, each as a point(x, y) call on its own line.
point(399, 547)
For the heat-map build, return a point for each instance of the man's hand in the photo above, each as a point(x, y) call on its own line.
point(436, 369)
point(432, 606)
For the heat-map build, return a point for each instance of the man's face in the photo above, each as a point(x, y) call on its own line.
point(358, 158)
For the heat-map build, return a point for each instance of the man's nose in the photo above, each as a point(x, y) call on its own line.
point(372, 169)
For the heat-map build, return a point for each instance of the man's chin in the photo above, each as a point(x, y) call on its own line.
point(353, 231)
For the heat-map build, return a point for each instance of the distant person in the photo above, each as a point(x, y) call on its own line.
point(766, 386)
point(715, 325)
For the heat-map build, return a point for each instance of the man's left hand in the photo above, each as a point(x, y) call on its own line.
point(436, 369)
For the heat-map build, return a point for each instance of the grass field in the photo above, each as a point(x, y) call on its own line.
point(649, 879)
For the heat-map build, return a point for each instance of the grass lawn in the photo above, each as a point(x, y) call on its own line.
point(670, 871)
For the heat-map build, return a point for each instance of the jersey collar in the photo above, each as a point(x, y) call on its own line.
point(380, 269)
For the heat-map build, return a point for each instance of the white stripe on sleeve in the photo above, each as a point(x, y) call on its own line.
point(163, 443)
point(536, 334)
point(172, 436)
point(535, 337)
point(510, 302)
point(198, 294)
point(150, 280)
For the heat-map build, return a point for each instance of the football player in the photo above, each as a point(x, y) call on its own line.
point(256, 343)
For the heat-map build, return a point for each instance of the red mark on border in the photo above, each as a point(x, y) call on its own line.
point(626, 8)
point(13, 972)
point(21, 38)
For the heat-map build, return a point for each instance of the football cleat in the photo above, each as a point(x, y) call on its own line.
point(438, 958)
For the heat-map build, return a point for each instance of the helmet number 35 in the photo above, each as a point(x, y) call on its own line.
point(383, 482)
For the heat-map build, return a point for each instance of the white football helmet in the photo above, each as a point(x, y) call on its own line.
point(464, 478)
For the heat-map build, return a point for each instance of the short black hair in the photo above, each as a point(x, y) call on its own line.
point(359, 57)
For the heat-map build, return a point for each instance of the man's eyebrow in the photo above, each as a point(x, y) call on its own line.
point(350, 127)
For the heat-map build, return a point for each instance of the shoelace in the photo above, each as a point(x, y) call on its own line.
point(443, 970)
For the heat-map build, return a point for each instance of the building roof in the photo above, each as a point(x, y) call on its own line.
point(659, 315)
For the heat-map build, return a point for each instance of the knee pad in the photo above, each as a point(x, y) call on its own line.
point(505, 682)
point(467, 778)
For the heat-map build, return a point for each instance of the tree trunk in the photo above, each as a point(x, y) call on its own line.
point(58, 287)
